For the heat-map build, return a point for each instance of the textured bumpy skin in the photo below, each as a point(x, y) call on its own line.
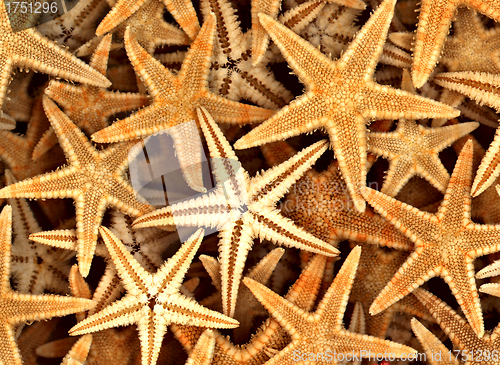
point(446, 243)
point(93, 179)
point(341, 96)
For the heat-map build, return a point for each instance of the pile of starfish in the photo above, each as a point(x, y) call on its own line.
point(343, 162)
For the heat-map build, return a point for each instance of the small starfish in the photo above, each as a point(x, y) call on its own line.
point(93, 179)
point(474, 350)
point(433, 25)
point(445, 243)
point(152, 301)
point(341, 96)
point(259, 219)
point(90, 107)
point(28, 48)
point(175, 99)
point(316, 333)
point(18, 308)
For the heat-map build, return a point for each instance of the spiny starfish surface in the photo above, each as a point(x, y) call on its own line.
point(446, 243)
point(341, 97)
point(257, 196)
point(315, 333)
point(93, 179)
point(175, 98)
point(152, 301)
point(17, 308)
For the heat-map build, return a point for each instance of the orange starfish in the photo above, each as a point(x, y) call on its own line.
point(341, 97)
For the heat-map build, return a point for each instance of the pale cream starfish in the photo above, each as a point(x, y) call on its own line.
point(152, 301)
point(256, 198)
point(18, 308)
point(341, 97)
point(319, 336)
point(93, 179)
point(446, 243)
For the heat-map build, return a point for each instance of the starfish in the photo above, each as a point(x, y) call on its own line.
point(320, 333)
point(93, 179)
point(175, 99)
point(341, 97)
point(203, 352)
point(445, 243)
point(259, 218)
point(18, 308)
point(152, 301)
point(474, 350)
point(28, 48)
point(433, 25)
point(90, 107)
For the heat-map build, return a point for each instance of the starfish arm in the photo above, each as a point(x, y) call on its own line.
point(415, 224)
point(152, 328)
point(332, 307)
point(184, 13)
point(387, 145)
point(400, 171)
point(6, 68)
point(65, 183)
point(135, 278)
point(64, 238)
point(433, 25)
point(479, 86)
point(482, 239)
point(460, 279)
point(300, 54)
point(125, 199)
point(196, 64)
point(302, 115)
point(8, 347)
point(76, 146)
point(359, 344)
point(491, 289)
point(203, 352)
point(438, 139)
point(124, 312)
point(89, 208)
point(418, 269)
point(169, 277)
point(43, 54)
point(384, 102)
point(260, 39)
point(431, 169)
point(453, 325)
point(5, 248)
point(122, 10)
point(363, 53)
point(233, 112)
point(189, 151)
point(138, 125)
point(272, 226)
point(275, 182)
point(431, 344)
point(489, 169)
point(79, 351)
point(286, 313)
point(99, 59)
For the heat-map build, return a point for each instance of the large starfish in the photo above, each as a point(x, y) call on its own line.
point(17, 308)
point(433, 26)
point(318, 335)
point(472, 349)
point(341, 97)
point(445, 243)
point(93, 179)
point(152, 301)
point(175, 98)
point(259, 218)
point(28, 48)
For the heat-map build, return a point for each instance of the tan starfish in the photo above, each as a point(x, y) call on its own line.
point(175, 99)
point(152, 301)
point(473, 350)
point(242, 208)
point(28, 48)
point(17, 308)
point(434, 22)
point(445, 243)
point(341, 97)
point(93, 179)
point(321, 333)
